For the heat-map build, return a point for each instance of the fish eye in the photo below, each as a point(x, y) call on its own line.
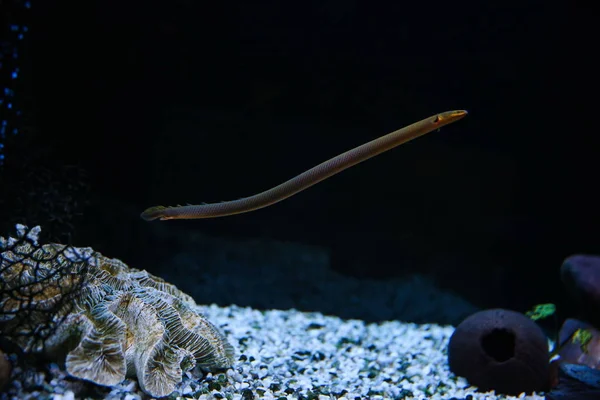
point(437, 119)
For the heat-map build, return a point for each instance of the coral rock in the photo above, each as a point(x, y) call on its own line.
point(500, 350)
point(111, 321)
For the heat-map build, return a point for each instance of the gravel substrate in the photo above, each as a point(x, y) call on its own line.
point(297, 355)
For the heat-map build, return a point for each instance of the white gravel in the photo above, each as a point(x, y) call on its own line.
point(298, 355)
point(291, 354)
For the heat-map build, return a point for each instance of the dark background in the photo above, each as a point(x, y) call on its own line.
point(188, 102)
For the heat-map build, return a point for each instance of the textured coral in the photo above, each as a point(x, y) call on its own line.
point(110, 320)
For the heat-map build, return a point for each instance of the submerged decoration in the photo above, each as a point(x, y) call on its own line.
point(501, 350)
point(107, 320)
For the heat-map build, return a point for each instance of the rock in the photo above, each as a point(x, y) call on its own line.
point(573, 350)
point(577, 382)
point(581, 275)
